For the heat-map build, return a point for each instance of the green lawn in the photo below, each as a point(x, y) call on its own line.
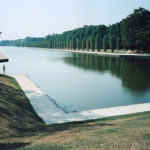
point(21, 128)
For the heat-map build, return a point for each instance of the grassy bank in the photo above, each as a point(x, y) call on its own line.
point(16, 113)
point(21, 128)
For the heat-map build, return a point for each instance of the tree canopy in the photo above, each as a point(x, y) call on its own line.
point(133, 32)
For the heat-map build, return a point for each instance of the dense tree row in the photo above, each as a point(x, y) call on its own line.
point(132, 32)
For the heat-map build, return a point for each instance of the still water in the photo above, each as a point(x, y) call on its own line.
point(81, 81)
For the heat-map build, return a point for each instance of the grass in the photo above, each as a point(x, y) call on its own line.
point(16, 113)
point(118, 133)
point(22, 129)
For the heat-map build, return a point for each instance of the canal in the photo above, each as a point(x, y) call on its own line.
point(82, 81)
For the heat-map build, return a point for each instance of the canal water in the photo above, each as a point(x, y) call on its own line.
point(82, 81)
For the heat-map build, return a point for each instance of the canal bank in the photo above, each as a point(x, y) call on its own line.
point(51, 113)
point(124, 53)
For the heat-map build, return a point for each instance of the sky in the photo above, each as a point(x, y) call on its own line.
point(38, 18)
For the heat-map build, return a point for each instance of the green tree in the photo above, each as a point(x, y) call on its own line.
point(105, 43)
point(92, 42)
point(83, 44)
point(132, 32)
point(78, 44)
point(98, 42)
point(136, 30)
point(112, 43)
point(87, 44)
point(73, 44)
point(118, 43)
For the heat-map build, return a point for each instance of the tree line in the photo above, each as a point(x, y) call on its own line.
point(132, 33)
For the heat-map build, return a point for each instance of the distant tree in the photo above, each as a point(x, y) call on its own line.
point(67, 45)
point(87, 44)
point(83, 44)
point(78, 44)
point(112, 43)
point(132, 32)
point(70, 45)
point(92, 42)
point(105, 43)
point(98, 42)
point(118, 43)
point(73, 44)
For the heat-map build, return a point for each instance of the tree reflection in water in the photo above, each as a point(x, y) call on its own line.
point(134, 73)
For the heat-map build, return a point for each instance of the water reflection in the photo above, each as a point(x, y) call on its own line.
point(134, 73)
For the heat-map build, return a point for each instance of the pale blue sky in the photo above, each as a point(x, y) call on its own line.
point(21, 18)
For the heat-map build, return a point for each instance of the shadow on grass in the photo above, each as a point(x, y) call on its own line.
point(87, 125)
point(12, 146)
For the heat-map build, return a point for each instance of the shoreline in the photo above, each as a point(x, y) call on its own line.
point(101, 53)
point(122, 54)
point(52, 114)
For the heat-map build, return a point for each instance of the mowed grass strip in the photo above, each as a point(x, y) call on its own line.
point(129, 132)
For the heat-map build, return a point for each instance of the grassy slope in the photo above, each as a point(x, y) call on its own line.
point(19, 127)
point(16, 113)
